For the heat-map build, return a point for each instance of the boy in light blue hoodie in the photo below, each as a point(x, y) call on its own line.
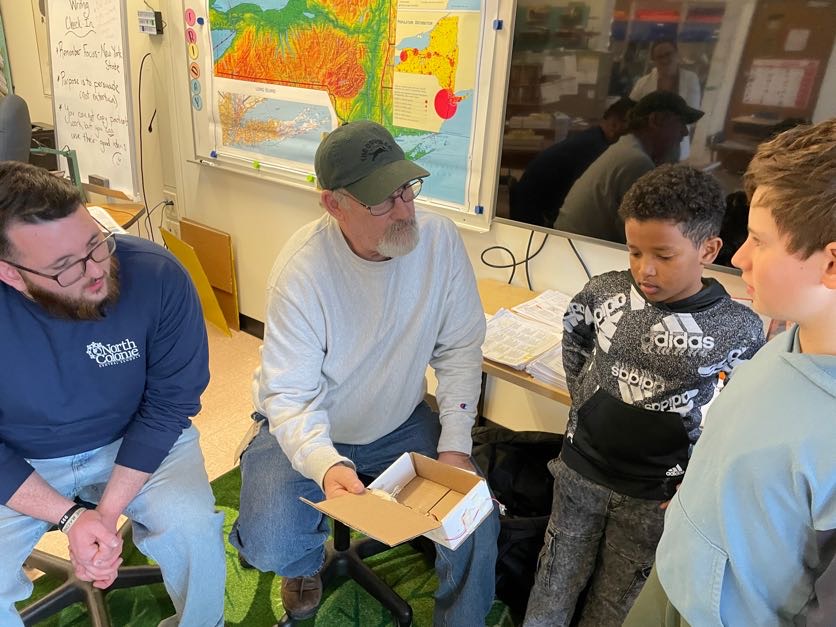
point(750, 538)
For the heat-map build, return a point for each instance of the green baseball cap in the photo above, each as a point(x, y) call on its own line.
point(363, 158)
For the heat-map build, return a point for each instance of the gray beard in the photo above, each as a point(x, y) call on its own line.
point(77, 308)
point(400, 239)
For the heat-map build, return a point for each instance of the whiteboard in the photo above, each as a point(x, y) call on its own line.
point(91, 88)
point(383, 60)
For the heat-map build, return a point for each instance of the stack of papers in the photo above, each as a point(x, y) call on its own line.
point(547, 308)
point(548, 367)
point(529, 337)
point(514, 341)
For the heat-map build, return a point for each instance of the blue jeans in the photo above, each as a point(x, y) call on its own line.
point(276, 532)
point(174, 523)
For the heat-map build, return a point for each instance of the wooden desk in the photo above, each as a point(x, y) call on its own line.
point(125, 213)
point(495, 295)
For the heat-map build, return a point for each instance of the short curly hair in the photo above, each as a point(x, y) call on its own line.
point(680, 194)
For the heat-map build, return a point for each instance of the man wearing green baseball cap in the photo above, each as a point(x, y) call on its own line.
point(359, 306)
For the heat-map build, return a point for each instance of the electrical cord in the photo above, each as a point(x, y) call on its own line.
point(167, 203)
point(514, 263)
point(165, 24)
point(141, 163)
point(529, 256)
point(580, 259)
point(149, 226)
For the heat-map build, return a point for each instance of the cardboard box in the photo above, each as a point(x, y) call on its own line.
point(432, 499)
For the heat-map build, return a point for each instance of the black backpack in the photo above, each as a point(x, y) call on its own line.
point(515, 465)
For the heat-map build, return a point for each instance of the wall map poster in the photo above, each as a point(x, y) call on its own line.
point(285, 71)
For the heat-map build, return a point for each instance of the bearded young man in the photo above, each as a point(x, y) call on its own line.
point(106, 359)
point(360, 302)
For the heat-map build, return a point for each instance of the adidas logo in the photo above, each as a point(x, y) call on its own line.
point(113, 354)
point(606, 316)
point(637, 301)
point(731, 362)
point(575, 314)
point(636, 384)
point(677, 334)
point(681, 404)
point(676, 471)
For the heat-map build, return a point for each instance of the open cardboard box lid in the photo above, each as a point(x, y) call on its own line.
point(427, 492)
point(386, 521)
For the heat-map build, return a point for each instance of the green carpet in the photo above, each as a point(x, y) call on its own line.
point(252, 597)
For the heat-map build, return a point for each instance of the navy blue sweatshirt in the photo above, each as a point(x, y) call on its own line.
point(72, 386)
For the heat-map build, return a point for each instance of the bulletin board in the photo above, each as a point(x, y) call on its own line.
point(92, 89)
point(783, 61)
point(268, 78)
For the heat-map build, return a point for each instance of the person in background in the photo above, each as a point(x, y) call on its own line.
point(734, 231)
point(361, 301)
point(750, 539)
point(666, 75)
point(642, 352)
point(106, 358)
point(654, 125)
point(543, 186)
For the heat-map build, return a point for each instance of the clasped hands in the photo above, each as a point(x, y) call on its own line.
point(341, 479)
point(95, 547)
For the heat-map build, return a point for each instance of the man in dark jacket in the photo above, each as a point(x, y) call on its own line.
point(549, 177)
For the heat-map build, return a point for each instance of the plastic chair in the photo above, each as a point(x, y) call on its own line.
point(74, 590)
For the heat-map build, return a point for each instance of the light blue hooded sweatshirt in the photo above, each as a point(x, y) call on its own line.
point(749, 539)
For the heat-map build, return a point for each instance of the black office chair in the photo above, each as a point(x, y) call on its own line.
point(74, 590)
point(344, 558)
point(15, 129)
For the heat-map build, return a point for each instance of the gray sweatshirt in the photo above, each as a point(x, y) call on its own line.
point(347, 342)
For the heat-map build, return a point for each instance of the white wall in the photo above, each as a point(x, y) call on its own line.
point(826, 106)
point(23, 58)
point(725, 61)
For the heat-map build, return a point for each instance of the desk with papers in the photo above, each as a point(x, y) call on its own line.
point(495, 296)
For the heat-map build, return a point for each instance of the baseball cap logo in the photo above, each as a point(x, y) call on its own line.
point(374, 148)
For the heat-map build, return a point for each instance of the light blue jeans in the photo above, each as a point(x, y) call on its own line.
point(276, 532)
point(174, 523)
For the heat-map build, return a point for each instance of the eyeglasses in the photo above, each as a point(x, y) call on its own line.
point(74, 272)
point(407, 193)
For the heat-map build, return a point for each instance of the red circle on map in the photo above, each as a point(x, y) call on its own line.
point(404, 55)
point(446, 104)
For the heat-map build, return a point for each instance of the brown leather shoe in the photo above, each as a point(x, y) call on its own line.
point(301, 596)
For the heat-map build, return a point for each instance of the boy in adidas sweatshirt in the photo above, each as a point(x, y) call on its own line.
point(642, 351)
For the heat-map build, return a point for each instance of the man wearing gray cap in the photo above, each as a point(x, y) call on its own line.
point(360, 302)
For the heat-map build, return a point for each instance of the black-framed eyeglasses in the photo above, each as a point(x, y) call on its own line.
point(407, 193)
point(74, 272)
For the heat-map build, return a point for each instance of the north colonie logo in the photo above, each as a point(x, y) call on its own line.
point(113, 354)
